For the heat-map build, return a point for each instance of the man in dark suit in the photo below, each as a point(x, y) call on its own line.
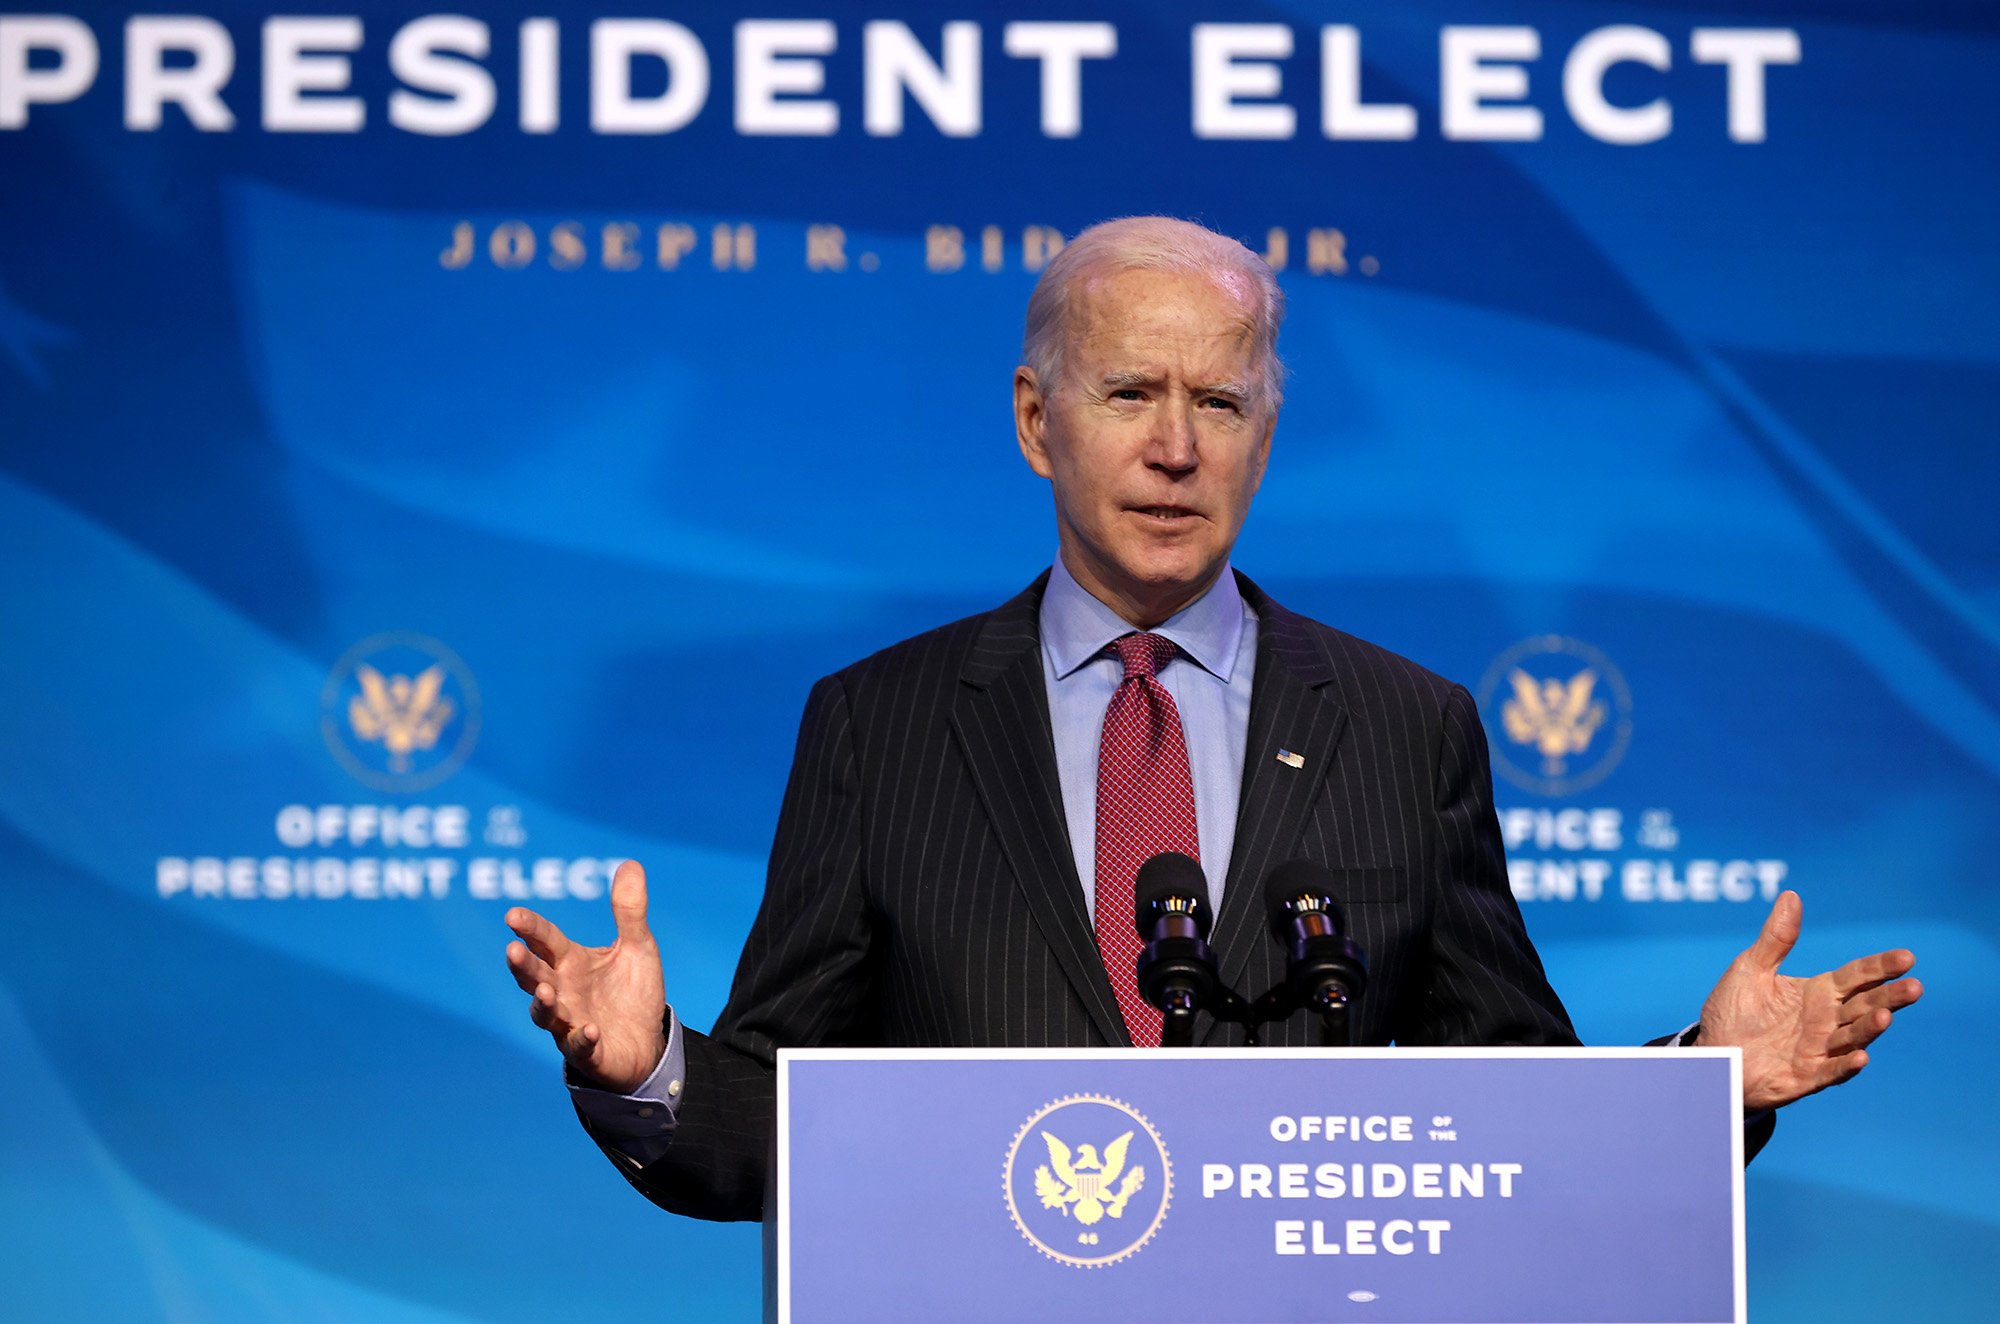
point(954, 860)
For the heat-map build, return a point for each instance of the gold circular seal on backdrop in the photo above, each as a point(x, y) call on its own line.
point(1559, 713)
point(1094, 1180)
point(400, 712)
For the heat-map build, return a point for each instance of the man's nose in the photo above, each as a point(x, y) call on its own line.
point(1172, 444)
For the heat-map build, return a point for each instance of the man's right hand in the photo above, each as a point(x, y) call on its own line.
point(606, 1006)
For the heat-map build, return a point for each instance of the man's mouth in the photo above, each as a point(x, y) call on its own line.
point(1165, 512)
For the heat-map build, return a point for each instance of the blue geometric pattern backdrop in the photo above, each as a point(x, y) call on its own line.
point(440, 451)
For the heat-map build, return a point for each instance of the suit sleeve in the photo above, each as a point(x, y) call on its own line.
point(1481, 982)
point(805, 980)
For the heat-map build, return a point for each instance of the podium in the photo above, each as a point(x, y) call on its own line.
point(1257, 1186)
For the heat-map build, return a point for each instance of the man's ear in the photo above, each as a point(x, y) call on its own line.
point(1031, 422)
point(1264, 451)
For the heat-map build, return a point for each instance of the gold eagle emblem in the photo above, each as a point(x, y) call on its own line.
point(403, 713)
point(1083, 1185)
point(1558, 719)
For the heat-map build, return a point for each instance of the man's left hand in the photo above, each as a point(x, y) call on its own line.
point(1799, 1036)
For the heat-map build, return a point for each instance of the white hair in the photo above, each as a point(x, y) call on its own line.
point(1151, 243)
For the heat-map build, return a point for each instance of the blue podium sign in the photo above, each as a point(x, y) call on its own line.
point(1259, 1186)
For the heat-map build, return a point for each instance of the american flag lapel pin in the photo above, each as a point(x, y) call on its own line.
point(1291, 760)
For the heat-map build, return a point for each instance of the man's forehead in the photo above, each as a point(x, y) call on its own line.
point(1161, 313)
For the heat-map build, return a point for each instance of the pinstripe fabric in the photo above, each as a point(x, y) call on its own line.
point(922, 890)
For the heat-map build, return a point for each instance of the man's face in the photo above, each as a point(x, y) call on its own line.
point(1155, 440)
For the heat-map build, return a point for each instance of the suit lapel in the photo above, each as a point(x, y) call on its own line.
point(1001, 719)
point(1290, 712)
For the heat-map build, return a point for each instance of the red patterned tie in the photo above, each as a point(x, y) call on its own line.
point(1145, 805)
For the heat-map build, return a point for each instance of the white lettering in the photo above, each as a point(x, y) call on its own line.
point(1436, 1227)
point(1342, 112)
point(547, 883)
point(402, 878)
point(1605, 829)
point(1702, 884)
point(768, 64)
point(295, 826)
point(440, 871)
point(1770, 873)
point(541, 73)
point(1253, 1179)
point(1734, 883)
point(1284, 1128)
point(894, 61)
point(1424, 1180)
point(580, 880)
point(415, 826)
point(1470, 79)
point(1290, 1232)
point(1216, 1177)
point(1292, 1181)
point(196, 87)
point(1593, 873)
point(1472, 1183)
point(298, 60)
point(206, 876)
point(1330, 1181)
point(1389, 1181)
point(423, 55)
point(614, 44)
point(1583, 85)
point(1391, 1230)
point(1506, 1172)
point(21, 85)
point(1636, 880)
point(1062, 48)
point(329, 878)
point(482, 880)
point(1220, 77)
point(1746, 51)
point(170, 875)
point(1360, 1236)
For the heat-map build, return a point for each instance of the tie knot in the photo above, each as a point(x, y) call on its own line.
point(1144, 654)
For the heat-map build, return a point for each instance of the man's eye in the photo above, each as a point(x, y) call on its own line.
point(1219, 402)
point(1128, 393)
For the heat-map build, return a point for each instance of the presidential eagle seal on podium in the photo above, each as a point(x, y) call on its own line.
point(1087, 1180)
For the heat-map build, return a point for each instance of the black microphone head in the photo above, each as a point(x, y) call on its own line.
point(1170, 883)
point(1301, 887)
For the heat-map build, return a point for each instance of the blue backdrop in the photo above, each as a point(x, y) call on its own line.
point(413, 501)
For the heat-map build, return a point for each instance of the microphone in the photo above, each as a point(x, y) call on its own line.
point(1324, 970)
point(1176, 970)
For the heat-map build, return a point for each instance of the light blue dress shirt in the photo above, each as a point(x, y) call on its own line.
point(1210, 683)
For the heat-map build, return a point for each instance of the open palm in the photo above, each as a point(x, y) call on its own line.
point(605, 1006)
point(1800, 1036)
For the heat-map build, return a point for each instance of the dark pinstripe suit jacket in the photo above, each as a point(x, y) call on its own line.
point(923, 892)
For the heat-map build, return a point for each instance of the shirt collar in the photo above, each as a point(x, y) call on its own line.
point(1076, 627)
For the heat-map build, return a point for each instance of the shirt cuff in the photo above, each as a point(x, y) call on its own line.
point(640, 1124)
